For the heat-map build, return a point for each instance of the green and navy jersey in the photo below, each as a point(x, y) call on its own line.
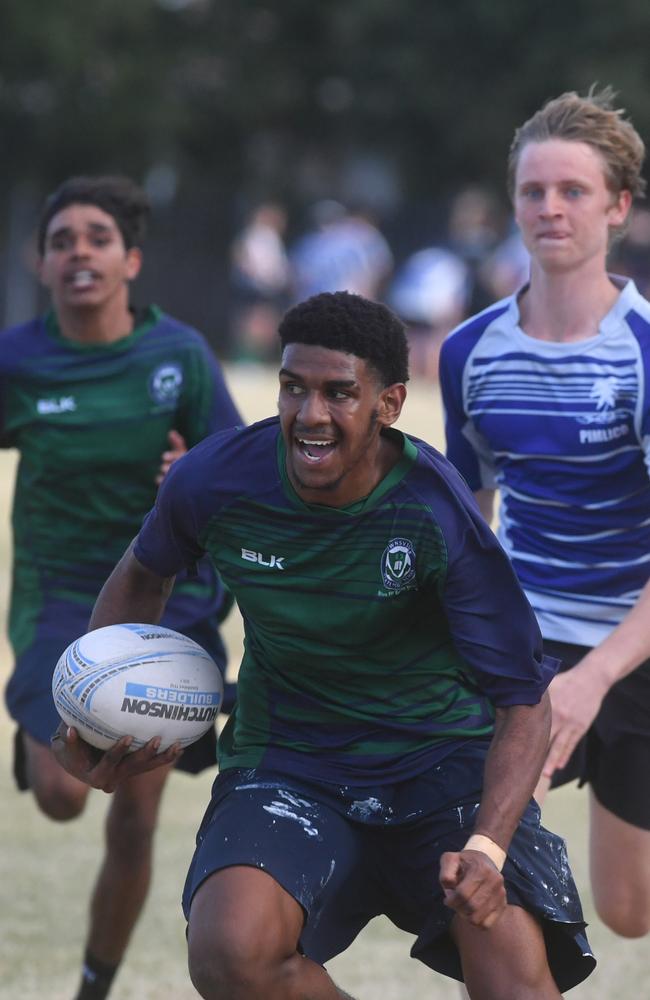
point(378, 636)
point(91, 423)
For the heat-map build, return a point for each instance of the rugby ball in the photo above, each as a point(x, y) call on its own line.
point(137, 680)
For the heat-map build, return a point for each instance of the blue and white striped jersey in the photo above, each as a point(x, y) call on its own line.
point(562, 430)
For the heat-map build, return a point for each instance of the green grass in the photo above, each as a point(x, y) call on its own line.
point(46, 870)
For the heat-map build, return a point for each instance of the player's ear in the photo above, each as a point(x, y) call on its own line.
point(390, 403)
point(620, 208)
point(133, 263)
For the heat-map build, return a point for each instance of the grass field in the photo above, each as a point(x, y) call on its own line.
point(46, 869)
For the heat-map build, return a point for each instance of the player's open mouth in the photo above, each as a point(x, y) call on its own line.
point(315, 449)
point(82, 279)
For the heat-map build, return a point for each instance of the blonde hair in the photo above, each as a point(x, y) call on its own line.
point(594, 120)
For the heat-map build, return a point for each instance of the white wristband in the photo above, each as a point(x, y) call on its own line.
point(496, 854)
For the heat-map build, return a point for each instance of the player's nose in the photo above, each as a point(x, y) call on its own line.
point(80, 247)
point(313, 409)
point(550, 204)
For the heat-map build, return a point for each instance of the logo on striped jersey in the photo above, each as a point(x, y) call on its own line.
point(166, 382)
point(398, 564)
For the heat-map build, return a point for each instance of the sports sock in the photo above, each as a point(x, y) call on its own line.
point(96, 978)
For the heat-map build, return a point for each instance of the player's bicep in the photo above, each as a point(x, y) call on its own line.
point(169, 538)
point(492, 624)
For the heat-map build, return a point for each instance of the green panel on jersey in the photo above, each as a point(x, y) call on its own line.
point(390, 655)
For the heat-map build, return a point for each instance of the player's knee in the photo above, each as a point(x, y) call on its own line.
point(60, 802)
point(623, 904)
point(628, 918)
point(229, 969)
point(58, 795)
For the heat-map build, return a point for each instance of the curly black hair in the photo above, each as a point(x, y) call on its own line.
point(345, 322)
point(119, 197)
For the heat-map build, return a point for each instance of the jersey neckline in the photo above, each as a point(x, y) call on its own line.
point(627, 299)
point(145, 319)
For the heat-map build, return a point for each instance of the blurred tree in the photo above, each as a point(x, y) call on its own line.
point(213, 84)
point(208, 101)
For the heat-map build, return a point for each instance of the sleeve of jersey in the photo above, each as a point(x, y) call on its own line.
point(209, 406)
point(492, 624)
point(459, 450)
point(167, 541)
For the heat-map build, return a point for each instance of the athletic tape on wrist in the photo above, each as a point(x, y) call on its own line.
point(496, 854)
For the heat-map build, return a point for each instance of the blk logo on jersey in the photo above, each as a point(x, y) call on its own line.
point(398, 564)
point(64, 404)
point(273, 562)
point(166, 383)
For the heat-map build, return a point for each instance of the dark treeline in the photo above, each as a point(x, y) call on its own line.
point(216, 103)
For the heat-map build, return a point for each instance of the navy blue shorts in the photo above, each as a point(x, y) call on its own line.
point(348, 854)
point(614, 755)
point(29, 691)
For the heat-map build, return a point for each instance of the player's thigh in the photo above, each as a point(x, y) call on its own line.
point(506, 962)
point(241, 917)
point(264, 821)
point(620, 871)
point(59, 794)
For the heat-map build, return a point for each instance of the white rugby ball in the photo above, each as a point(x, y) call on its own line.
point(137, 680)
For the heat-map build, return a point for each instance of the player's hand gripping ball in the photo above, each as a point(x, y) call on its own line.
point(137, 680)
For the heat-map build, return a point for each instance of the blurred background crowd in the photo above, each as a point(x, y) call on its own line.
point(474, 257)
point(289, 148)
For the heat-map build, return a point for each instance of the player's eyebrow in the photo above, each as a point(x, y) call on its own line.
point(94, 227)
point(334, 383)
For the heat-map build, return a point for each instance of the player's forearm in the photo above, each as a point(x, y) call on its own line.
point(513, 767)
point(624, 648)
point(132, 593)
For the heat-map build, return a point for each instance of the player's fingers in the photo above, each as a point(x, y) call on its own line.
point(117, 764)
point(460, 897)
point(149, 756)
point(103, 773)
point(490, 918)
point(482, 904)
point(140, 763)
point(177, 441)
point(73, 754)
point(62, 732)
point(480, 889)
point(450, 869)
point(559, 752)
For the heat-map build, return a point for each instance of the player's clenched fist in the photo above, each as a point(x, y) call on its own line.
point(473, 887)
